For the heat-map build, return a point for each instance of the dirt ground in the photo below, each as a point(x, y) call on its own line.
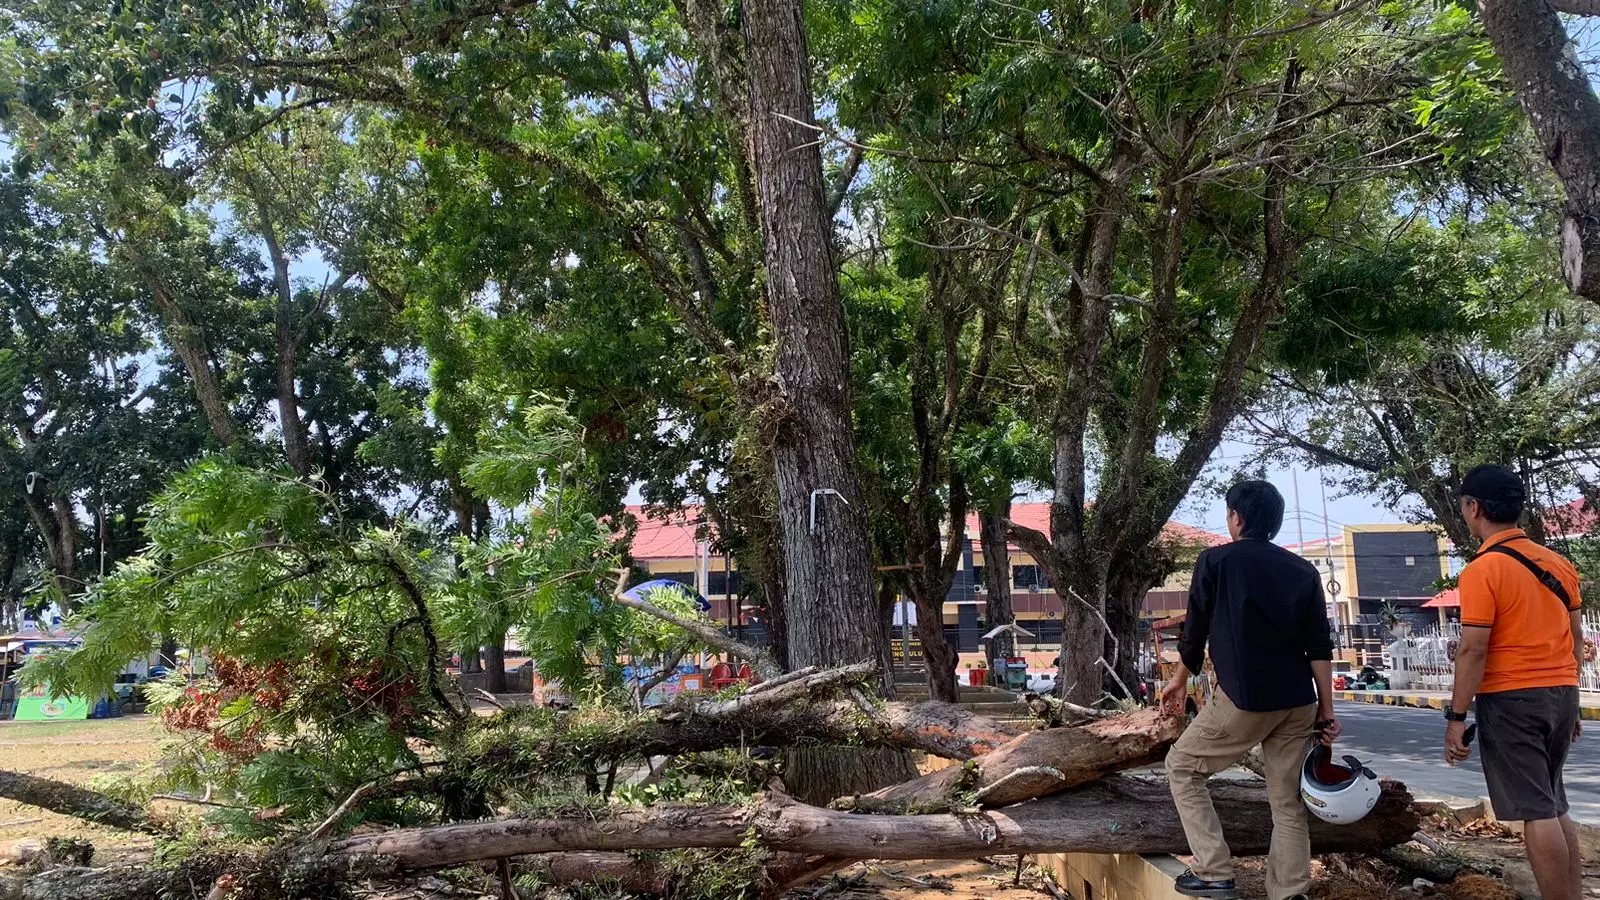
point(92, 752)
point(80, 753)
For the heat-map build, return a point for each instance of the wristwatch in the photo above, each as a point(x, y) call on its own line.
point(1451, 715)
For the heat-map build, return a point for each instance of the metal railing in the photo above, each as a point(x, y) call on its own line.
point(1426, 661)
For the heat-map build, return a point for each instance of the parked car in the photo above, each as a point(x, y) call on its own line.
point(1042, 683)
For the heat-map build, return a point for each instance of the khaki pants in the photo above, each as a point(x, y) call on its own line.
point(1219, 737)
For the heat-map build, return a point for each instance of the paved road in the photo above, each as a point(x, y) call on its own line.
point(1408, 744)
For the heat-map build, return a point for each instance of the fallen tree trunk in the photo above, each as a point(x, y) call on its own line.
point(624, 871)
point(69, 800)
point(1117, 815)
point(1041, 763)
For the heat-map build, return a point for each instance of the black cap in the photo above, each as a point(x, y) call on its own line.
point(1494, 484)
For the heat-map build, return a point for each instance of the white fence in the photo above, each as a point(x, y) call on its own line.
point(1427, 661)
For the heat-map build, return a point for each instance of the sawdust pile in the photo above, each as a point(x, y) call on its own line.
point(1478, 887)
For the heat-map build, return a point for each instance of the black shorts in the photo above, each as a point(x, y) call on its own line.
point(1525, 736)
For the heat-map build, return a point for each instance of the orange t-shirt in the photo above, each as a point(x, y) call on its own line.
point(1530, 632)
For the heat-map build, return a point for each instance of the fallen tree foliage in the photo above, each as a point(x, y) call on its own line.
point(1034, 792)
point(806, 708)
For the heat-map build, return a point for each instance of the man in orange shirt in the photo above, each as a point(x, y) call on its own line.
point(1521, 646)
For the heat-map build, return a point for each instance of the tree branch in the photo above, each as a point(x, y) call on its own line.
point(759, 660)
point(70, 800)
point(1577, 7)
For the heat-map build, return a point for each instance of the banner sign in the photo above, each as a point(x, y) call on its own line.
point(34, 705)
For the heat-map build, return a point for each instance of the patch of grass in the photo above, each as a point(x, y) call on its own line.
point(124, 729)
point(43, 731)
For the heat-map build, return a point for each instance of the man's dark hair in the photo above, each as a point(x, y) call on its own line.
point(1261, 507)
point(1498, 492)
point(1501, 512)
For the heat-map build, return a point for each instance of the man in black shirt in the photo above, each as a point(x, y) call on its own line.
point(1261, 609)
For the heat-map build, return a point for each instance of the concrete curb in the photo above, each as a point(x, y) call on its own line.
point(1419, 701)
point(1113, 876)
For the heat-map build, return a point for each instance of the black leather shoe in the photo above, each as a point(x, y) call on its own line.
point(1192, 885)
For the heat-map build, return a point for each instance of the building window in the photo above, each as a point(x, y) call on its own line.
point(1028, 578)
point(680, 577)
point(1411, 560)
point(720, 583)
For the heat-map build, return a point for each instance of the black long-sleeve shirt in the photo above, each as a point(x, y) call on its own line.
point(1261, 608)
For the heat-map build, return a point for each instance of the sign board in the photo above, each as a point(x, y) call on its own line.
point(34, 705)
point(673, 686)
point(905, 613)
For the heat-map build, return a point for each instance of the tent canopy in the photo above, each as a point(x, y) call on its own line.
point(1450, 599)
point(639, 591)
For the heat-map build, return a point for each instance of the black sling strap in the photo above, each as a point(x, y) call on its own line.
point(1545, 578)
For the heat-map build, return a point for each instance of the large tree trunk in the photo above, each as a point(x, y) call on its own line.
point(295, 443)
point(188, 340)
point(1122, 815)
point(58, 532)
point(1079, 571)
point(997, 609)
point(1542, 62)
point(1083, 632)
point(494, 664)
point(1118, 815)
point(937, 655)
point(827, 560)
point(1125, 595)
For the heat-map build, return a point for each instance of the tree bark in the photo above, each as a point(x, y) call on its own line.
point(68, 800)
point(494, 664)
point(1045, 762)
point(1541, 60)
point(624, 871)
point(827, 560)
point(997, 608)
point(938, 656)
point(188, 341)
point(1116, 815)
point(58, 529)
point(1076, 570)
point(1120, 815)
point(1126, 588)
point(286, 338)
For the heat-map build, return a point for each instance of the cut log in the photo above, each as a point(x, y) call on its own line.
point(1046, 762)
point(1117, 815)
point(623, 871)
point(69, 800)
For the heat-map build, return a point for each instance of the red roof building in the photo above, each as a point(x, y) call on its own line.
point(677, 543)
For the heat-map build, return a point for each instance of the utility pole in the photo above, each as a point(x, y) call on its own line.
point(1333, 583)
point(1299, 517)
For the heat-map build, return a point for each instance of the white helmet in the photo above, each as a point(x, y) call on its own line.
point(1334, 793)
